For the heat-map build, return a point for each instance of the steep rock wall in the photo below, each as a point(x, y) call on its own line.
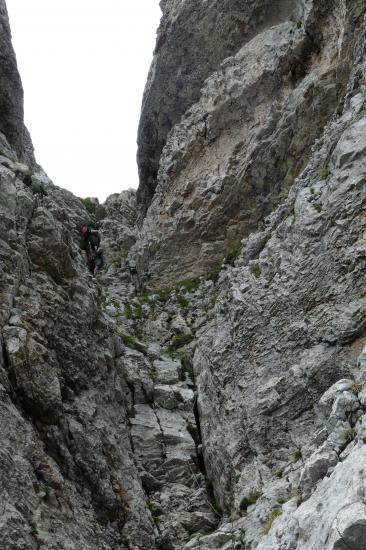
point(226, 412)
point(193, 39)
point(11, 95)
point(236, 152)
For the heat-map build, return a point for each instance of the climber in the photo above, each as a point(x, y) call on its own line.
point(90, 242)
point(99, 261)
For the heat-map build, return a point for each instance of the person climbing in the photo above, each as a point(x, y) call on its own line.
point(99, 261)
point(90, 242)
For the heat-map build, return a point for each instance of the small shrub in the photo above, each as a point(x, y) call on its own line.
point(233, 252)
point(155, 512)
point(213, 274)
point(340, 108)
point(188, 285)
point(325, 171)
point(317, 206)
point(217, 510)
point(356, 386)
point(297, 455)
point(131, 413)
point(130, 342)
point(276, 512)
point(163, 294)
point(90, 207)
point(255, 270)
point(138, 310)
point(182, 301)
point(180, 341)
point(299, 24)
point(312, 190)
point(249, 500)
point(349, 433)
point(153, 373)
point(186, 366)
point(279, 474)
point(289, 211)
point(364, 440)
point(128, 311)
point(298, 495)
point(164, 544)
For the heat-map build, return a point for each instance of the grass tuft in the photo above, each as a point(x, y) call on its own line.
point(255, 270)
point(297, 455)
point(249, 500)
point(325, 171)
point(180, 341)
point(233, 252)
point(276, 512)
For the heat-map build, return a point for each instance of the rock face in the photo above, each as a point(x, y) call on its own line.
point(145, 407)
point(235, 152)
point(11, 96)
point(193, 39)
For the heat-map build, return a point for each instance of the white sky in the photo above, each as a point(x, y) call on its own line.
point(84, 64)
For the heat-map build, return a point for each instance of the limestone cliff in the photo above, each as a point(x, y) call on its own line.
point(207, 389)
point(11, 96)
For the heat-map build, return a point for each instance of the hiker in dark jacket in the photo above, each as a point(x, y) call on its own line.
point(90, 242)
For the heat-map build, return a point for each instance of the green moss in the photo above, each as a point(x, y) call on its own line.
point(233, 252)
point(249, 500)
point(255, 270)
point(90, 207)
point(180, 341)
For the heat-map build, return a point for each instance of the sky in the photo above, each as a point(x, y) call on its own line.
point(84, 65)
